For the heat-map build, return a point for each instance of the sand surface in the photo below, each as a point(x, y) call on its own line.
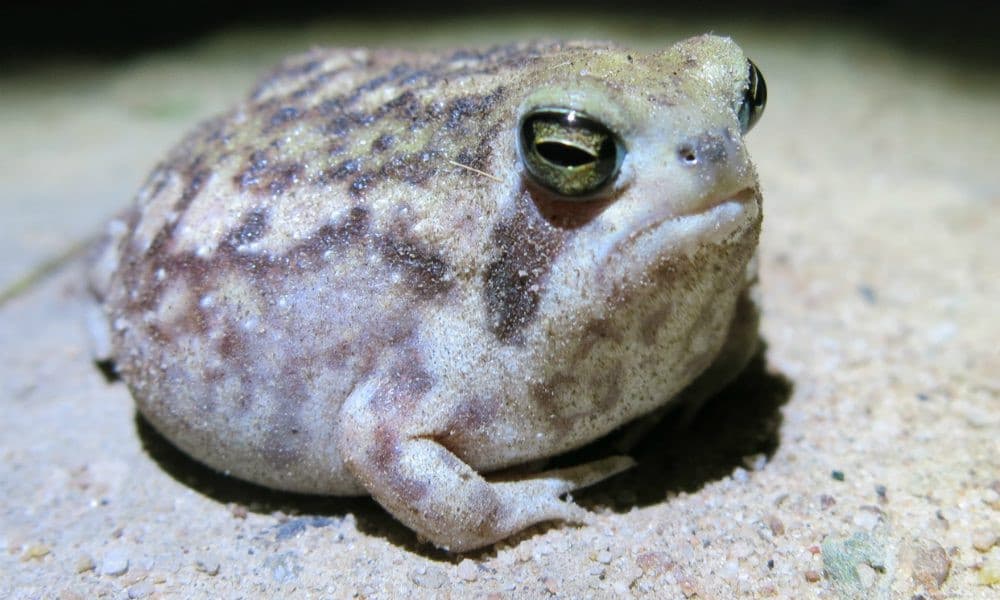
point(857, 457)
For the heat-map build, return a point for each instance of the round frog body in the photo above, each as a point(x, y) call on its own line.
point(389, 273)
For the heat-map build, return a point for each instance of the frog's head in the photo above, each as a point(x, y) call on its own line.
point(637, 165)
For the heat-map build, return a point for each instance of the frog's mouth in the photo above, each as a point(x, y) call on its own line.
point(663, 232)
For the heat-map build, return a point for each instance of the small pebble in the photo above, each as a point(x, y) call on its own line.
point(943, 520)
point(826, 501)
point(158, 577)
point(868, 293)
point(837, 475)
point(429, 577)
point(238, 511)
point(688, 586)
point(604, 557)
point(84, 563)
point(755, 462)
point(740, 475)
point(881, 491)
point(777, 527)
point(983, 540)
point(654, 563)
point(115, 563)
point(551, 585)
point(140, 590)
point(730, 570)
point(290, 529)
point(209, 565)
point(467, 570)
point(931, 564)
point(989, 572)
point(284, 567)
point(866, 520)
point(35, 552)
point(812, 576)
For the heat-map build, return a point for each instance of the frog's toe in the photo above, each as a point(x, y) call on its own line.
point(561, 481)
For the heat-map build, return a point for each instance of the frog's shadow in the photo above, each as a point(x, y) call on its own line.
point(741, 421)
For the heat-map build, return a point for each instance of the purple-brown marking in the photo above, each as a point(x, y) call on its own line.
point(526, 246)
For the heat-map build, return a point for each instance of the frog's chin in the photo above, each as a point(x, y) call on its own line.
point(662, 234)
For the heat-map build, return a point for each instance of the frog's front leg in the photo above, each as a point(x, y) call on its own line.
point(435, 493)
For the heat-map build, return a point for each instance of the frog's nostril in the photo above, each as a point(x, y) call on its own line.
point(687, 155)
point(712, 148)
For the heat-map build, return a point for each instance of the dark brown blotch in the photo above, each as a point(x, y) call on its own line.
point(284, 115)
point(256, 165)
point(404, 107)
point(607, 387)
point(478, 107)
point(595, 332)
point(425, 271)
point(384, 142)
point(252, 228)
point(317, 82)
point(341, 171)
point(361, 184)
point(195, 176)
point(397, 72)
point(414, 169)
point(232, 343)
point(479, 156)
point(283, 178)
point(653, 322)
point(264, 175)
point(338, 126)
point(333, 236)
point(526, 246)
point(399, 393)
point(291, 69)
point(546, 395)
point(467, 424)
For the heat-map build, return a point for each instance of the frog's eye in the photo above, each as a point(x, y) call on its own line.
point(754, 98)
point(568, 152)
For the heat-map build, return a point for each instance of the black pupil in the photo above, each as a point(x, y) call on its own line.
point(564, 155)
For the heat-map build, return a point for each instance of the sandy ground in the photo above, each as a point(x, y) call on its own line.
point(858, 457)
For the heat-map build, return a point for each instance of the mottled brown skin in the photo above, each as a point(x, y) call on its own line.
point(349, 284)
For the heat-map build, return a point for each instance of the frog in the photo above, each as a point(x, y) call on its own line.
point(404, 274)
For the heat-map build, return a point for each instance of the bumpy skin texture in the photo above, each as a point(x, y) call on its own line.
point(350, 285)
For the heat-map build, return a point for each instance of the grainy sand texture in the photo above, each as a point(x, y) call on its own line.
point(856, 458)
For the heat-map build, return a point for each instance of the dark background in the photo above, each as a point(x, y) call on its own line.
point(31, 31)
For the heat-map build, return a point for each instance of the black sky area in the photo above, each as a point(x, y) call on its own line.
point(962, 30)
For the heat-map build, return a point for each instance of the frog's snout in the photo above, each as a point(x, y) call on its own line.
point(718, 158)
point(711, 150)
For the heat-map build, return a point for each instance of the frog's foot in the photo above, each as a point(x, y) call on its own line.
point(543, 490)
point(442, 498)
